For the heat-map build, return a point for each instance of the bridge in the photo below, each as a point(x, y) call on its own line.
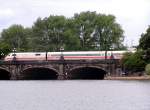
point(57, 69)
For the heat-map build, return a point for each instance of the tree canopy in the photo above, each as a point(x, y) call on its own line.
point(84, 31)
point(98, 31)
point(4, 49)
point(15, 37)
point(145, 40)
point(137, 61)
point(133, 61)
point(144, 44)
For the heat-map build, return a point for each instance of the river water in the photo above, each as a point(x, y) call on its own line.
point(75, 95)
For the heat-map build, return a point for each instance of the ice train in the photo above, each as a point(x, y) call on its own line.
point(76, 55)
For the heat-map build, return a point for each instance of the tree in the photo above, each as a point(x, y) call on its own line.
point(84, 31)
point(55, 29)
point(15, 37)
point(147, 69)
point(144, 44)
point(71, 41)
point(145, 40)
point(29, 39)
point(108, 32)
point(133, 62)
point(98, 31)
point(4, 49)
point(84, 25)
point(37, 36)
point(49, 34)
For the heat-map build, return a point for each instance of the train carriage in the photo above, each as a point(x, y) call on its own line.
point(76, 55)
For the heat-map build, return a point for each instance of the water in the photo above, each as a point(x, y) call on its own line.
point(75, 95)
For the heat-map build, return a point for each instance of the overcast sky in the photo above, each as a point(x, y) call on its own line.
point(133, 15)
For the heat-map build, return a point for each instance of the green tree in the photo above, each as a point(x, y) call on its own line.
point(71, 41)
point(147, 69)
point(4, 49)
point(144, 44)
point(84, 31)
point(29, 39)
point(133, 61)
point(55, 29)
point(84, 25)
point(15, 37)
point(108, 32)
point(145, 40)
point(98, 31)
point(36, 39)
point(49, 34)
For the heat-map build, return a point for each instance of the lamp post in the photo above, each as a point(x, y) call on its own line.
point(61, 50)
point(14, 54)
point(46, 36)
point(110, 60)
point(105, 50)
point(62, 66)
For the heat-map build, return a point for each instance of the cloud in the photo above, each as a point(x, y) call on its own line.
point(6, 12)
point(6, 15)
point(133, 15)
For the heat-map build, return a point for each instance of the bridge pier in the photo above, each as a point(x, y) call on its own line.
point(112, 70)
point(61, 74)
point(14, 70)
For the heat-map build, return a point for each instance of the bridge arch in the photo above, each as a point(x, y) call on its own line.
point(39, 73)
point(87, 72)
point(4, 74)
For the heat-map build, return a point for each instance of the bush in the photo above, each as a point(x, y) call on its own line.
point(147, 69)
point(133, 62)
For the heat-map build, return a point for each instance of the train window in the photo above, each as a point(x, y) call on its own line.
point(58, 54)
point(37, 54)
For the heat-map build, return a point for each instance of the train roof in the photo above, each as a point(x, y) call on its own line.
point(72, 52)
point(26, 53)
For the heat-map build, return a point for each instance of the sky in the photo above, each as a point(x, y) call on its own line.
point(132, 15)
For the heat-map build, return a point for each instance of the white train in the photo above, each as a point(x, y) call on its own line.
point(76, 55)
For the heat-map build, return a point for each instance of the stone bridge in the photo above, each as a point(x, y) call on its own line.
point(59, 69)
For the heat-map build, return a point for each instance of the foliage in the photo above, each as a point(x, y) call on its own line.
point(84, 31)
point(125, 57)
point(145, 40)
point(147, 69)
point(98, 31)
point(144, 44)
point(4, 50)
point(133, 61)
point(147, 55)
point(15, 37)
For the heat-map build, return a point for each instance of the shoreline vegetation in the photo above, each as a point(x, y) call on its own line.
point(146, 77)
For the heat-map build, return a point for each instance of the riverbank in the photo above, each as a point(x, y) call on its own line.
point(128, 78)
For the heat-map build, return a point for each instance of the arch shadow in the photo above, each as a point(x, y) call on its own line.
point(89, 73)
point(39, 73)
point(4, 74)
